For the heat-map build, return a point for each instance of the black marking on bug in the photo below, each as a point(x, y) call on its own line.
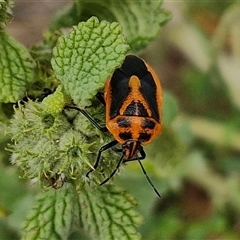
point(125, 135)
point(147, 123)
point(143, 137)
point(120, 89)
point(136, 108)
point(123, 122)
point(148, 90)
point(136, 66)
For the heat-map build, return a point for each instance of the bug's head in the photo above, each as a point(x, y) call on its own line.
point(131, 148)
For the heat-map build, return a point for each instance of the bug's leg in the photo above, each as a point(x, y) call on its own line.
point(102, 149)
point(100, 97)
point(93, 121)
point(115, 170)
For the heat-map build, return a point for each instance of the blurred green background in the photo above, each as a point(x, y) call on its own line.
point(195, 163)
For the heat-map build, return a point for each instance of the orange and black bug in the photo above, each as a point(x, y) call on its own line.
point(133, 100)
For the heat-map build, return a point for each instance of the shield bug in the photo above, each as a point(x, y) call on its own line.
point(133, 100)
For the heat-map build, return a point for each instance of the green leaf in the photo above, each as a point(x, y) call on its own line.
point(52, 216)
point(5, 12)
point(107, 213)
point(140, 20)
point(85, 58)
point(16, 69)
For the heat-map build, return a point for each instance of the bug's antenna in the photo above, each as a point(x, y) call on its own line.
point(148, 179)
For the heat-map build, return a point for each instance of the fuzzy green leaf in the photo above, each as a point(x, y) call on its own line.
point(108, 214)
point(52, 216)
point(54, 103)
point(16, 69)
point(5, 12)
point(140, 20)
point(85, 58)
point(46, 146)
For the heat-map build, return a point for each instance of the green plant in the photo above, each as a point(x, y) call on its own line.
point(194, 163)
point(55, 146)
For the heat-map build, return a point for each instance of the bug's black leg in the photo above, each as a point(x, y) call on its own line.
point(93, 121)
point(100, 97)
point(118, 150)
point(102, 149)
point(115, 170)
